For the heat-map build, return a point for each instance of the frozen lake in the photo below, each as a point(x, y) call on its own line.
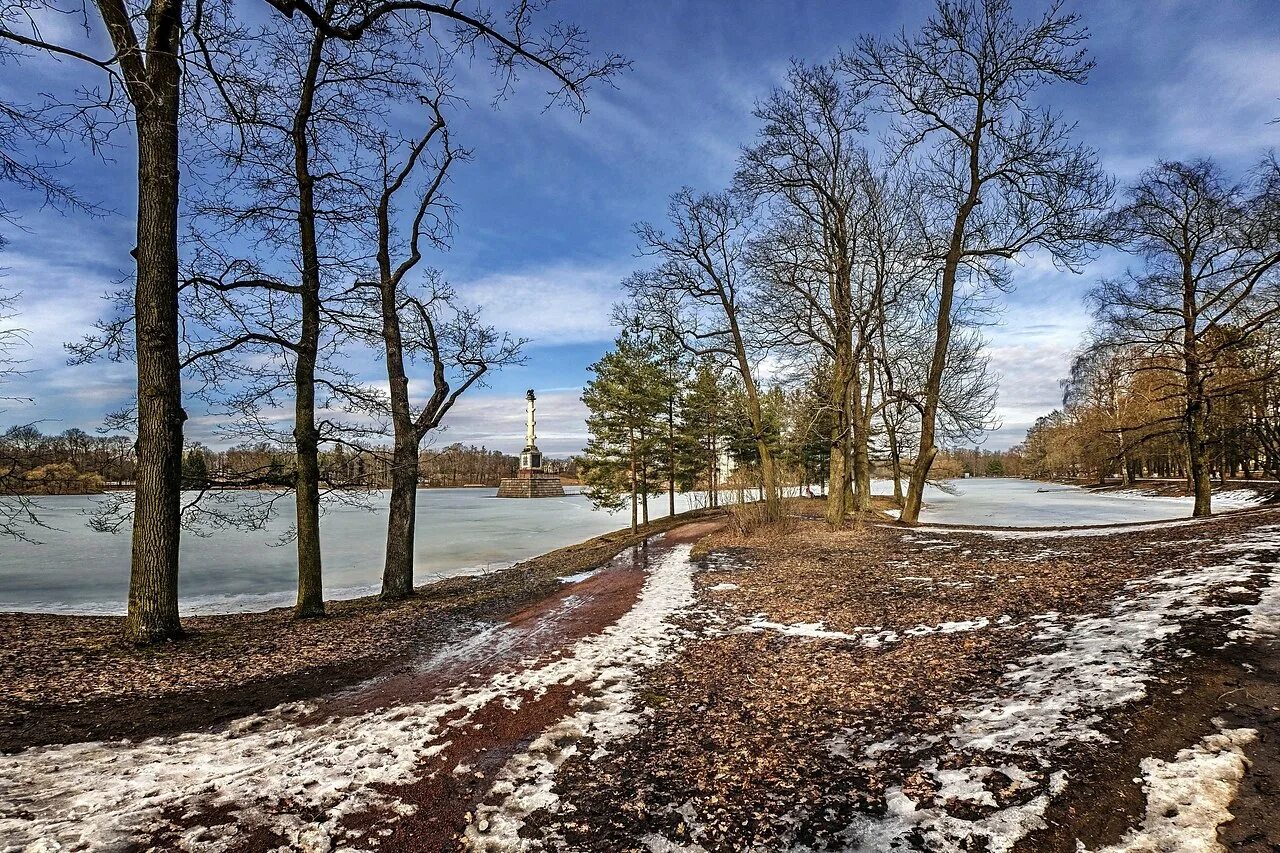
point(1027, 503)
point(460, 531)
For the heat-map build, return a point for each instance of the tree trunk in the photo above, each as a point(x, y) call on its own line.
point(157, 514)
point(1197, 457)
point(307, 483)
point(397, 567)
point(634, 507)
point(153, 87)
point(860, 438)
point(839, 475)
point(305, 435)
point(895, 458)
point(671, 455)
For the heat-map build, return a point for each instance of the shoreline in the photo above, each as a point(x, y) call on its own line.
point(71, 678)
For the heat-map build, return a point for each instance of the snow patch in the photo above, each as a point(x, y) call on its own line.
point(1188, 797)
point(1055, 699)
point(613, 659)
point(272, 772)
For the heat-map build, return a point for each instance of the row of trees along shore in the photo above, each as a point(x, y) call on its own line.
point(1179, 375)
point(75, 462)
point(866, 235)
point(283, 215)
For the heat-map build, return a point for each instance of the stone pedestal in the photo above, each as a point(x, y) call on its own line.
point(531, 484)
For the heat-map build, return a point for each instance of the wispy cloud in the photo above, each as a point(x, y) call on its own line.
point(564, 303)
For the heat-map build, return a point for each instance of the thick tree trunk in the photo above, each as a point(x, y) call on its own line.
point(860, 438)
point(157, 515)
point(307, 486)
point(397, 568)
point(839, 476)
point(1201, 481)
point(634, 507)
point(152, 77)
point(914, 498)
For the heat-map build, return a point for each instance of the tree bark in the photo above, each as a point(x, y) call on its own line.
point(1197, 415)
point(154, 88)
point(397, 569)
point(860, 438)
point(305, 435)
point(838, 474)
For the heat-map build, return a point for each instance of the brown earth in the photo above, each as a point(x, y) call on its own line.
point(742, 723)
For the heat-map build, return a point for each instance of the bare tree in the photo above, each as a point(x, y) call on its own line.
point(1002, 176)
point(1210, 282)
point(698, 295)
point(151, 49)
point(810, 168)
point(427, 324)
point(146, 66)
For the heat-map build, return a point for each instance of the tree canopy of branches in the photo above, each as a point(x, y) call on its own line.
point(168, 59)
point(1000, 177)
point(1209, 285)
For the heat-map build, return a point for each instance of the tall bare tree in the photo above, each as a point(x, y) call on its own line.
point(1210, 282)
point(810, 168)
point(146, 64)
point(698, 294)
point(427, 324)
point(1002, 176)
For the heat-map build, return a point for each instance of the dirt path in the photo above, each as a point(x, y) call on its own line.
point(403, 762)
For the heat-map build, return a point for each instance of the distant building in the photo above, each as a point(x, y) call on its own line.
point(531, 481)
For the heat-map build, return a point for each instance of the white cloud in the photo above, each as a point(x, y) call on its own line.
point(1222, 102)
point(497, 422)
point(557, 304)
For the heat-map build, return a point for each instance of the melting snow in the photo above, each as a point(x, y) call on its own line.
point(870, 637)
point(274, 773)
point(1188, 798)
point(642, 638)
point(1057, 697)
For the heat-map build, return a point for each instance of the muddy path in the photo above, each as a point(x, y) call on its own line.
point(405, 761)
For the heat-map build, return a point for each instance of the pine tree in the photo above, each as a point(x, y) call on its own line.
point(627, 401)
point(704, 415)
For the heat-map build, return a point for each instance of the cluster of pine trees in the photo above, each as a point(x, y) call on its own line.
point(662, 422)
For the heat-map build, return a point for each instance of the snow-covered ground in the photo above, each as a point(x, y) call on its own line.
point(275, 772)
point(1090, 666)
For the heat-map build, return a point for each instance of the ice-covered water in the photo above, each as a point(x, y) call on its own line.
point(1028, 503)
point(459, 531)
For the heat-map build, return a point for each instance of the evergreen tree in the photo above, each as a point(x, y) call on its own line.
point(705, 410)
point(806, 443)
point(627, 401)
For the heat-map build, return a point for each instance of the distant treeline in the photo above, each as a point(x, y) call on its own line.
point(75, 462)
point(70, 462)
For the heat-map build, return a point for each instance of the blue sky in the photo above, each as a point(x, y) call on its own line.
point(548, 201)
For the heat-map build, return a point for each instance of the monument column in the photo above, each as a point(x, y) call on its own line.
point(531, 481)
